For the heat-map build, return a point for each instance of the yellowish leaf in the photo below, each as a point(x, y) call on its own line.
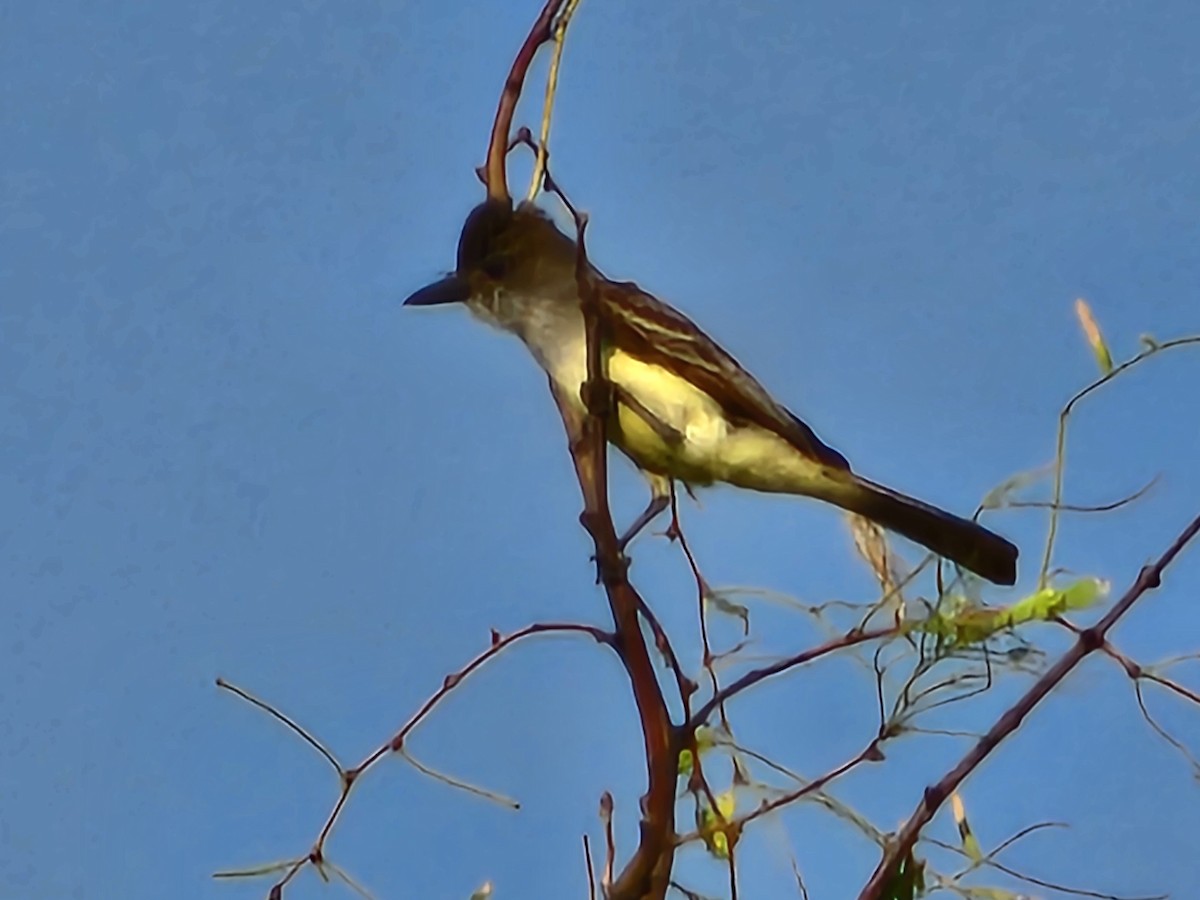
point(970, 844)
point(711, 823)
point(1095, 339)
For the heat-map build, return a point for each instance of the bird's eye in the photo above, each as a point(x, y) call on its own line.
point(494, 267)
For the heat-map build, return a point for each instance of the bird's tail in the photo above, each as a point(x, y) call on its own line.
point(962, 541)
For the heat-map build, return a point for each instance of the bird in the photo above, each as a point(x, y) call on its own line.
point(685, 410)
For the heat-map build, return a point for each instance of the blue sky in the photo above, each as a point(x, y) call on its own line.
point(228, 451)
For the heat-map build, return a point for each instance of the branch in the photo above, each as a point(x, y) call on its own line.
point(1090, 640)
point(350, 776)
point(1060, 450)
point(754, 676)
point(498, 645)
point(648, 871)
point(543, 149)
point(497, 180)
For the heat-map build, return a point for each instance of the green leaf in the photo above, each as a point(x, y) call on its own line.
point(685, 762)
point(706, 739)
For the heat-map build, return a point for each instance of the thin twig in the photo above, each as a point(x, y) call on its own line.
point(1176, 687)
point(1162, 732)
point(1084, 508)
point(591, 872)
point(799, 880)
point(458, 783)
point(870, 753)
point(1061, 440)
point(1064, 889)
point(498, 645)
point(662, 642)
point(274, 713)
point(675, 531)
point(350, 777)
point(1089, 640)
point(754, 676)
point(560, 36)
point(1024, 832)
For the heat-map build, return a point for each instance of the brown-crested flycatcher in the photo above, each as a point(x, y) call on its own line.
point(684, 408)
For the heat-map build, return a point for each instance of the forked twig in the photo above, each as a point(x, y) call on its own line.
point(349, 777)
point(1089, 640)
point(497, 179)
point(1060, 449)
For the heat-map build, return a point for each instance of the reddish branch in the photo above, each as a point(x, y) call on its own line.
point(496, 179)
point(647, 874)
point(1090, 640)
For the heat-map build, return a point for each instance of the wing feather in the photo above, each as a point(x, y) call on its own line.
point(652, 331)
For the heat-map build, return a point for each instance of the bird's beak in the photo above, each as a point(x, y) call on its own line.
point(451, 289)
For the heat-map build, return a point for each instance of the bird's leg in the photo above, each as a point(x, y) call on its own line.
point(603, 400)
point(660, 486)
point(660, 493)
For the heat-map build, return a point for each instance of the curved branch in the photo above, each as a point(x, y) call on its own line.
point(1060, 449)
point(647, 873)
point(496, 178)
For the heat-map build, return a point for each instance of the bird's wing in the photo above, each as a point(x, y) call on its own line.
point(654, 332)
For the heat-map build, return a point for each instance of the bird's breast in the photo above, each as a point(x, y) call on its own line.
point(664, 423)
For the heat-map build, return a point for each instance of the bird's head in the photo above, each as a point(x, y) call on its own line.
point(501, 247)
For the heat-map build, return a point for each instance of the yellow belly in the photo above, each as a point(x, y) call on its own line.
point(710, 448)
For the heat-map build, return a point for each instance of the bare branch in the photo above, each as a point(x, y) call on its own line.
point(591, 872)
point(675, 533)
point(1083, 508)
point(498, 645)
point(647, 873)
point(274, 713)
point(497, 179)
point(1061, 441)
point(1089, 641)
point(1064, 889)
point(1163, 733)
point(870, 753)
point(753, 677)
point(349, 777)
